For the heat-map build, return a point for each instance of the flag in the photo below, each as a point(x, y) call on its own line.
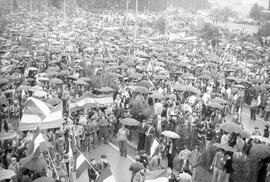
point(106, 176)
point(34, 145)
point(157, 176)
point(42, 114)
point(154, 147)
point(81, 165)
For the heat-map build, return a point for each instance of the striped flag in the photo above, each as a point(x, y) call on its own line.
point(157, 176)
point(41, 114)
point(81, 165)
point(106, 176)
point(32, 149)
point(154, 147)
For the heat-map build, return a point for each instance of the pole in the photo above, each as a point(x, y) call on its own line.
point(88, 162)
point(136, 23)
point(149, 2)
point(64, 8)
point(52, 164)
point(31, 5)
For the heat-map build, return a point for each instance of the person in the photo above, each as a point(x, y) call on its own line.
point(14, 166)
point(253, 107)
point(171, 176)
point(170, 153)
point(184, 156)
point(142, 131)
point(266, 131)
point(267, 110)
point(256, 131)
point(184, 176)
point(122, 139)
point(139, 176)
point(135, 167)
point(103, 163)
point(92, 171)
point(217, 166)
point(194, 162)
point(155, 162)
point(149, 137)
point(228, 169)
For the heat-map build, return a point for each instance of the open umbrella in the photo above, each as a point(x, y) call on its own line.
point(179, 87)
point(145, 84)
point(9, 135)
point(53, 101)
point(193, 90)
point(230, 127)
point(205, 77)
point(33, 163)
point(244, 134)
point(157, 95)
point(170, 134)
point(105, 89)
point(224, 147)
point(219, 100)
point(215, 105)
point(40, 93)
point(6, 174)
point(23, 87)
point(44, 179)
point(130, 122)
point(56, 81)
point(261, 138)
point(140, 90)
point(80, 82)
point(260, 151)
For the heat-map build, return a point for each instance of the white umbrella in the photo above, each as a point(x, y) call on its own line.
point(6, 174)
point(40, 93)
point(170, 134)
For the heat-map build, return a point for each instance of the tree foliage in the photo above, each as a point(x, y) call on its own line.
point(255, 12)
point(222, 14)
point(265, 29)
point(209, 31)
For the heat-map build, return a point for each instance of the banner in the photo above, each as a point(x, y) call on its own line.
point(89, 100)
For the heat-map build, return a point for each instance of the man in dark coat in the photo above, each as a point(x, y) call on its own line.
point(142, 131)
point(136, 167)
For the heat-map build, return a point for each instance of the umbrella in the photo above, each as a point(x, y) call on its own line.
point(105, 89)
point(205, 77)
point(130, 122)
point(239, 86)
point(215, 105)
point(141, 90)
point(32, 69)
point(170, 134)
point(145, 84)
point(244, 134)
point(40, 93)
point(80, 82)
point(256, 81)
point(193, 90)
point(56, 81)
point(9, 135)
point(157, 95)
point(23, 87)
point(36, 88)
point(3, 80)
point(261, 138)
point(33, 163)
point(6, 174)
point(44, 179)
point(230, 127)
point(179, 87)
point(224, 147)
point(261, 151)
point(219, 100)
point(53, 101)
point(85, 79)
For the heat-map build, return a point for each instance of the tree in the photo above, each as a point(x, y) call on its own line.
point(265, 30)
point(209, 31)
point(255, 12)
point(227, 13)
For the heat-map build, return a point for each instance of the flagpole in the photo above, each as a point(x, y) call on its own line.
point(88, 162)
point(57, 176)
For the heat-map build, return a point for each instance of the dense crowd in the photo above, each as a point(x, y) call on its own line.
point(195, 89)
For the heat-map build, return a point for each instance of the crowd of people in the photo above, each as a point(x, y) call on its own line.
point(195, 89)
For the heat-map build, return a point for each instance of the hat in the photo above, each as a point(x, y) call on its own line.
point(256, 127)
point(13, 158)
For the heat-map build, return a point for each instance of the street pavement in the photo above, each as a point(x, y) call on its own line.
point(250, 125)
point(119, 165)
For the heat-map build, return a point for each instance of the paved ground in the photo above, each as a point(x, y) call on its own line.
point(119, 165)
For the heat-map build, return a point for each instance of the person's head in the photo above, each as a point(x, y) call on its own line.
point(142, 171)
point(103, 158)
point(93, 161)
point(266, 126)
point(197, 148)
point(185, 170)
point(169, 170)
point(123, 126)
point(13, 160)
point(256, 128)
